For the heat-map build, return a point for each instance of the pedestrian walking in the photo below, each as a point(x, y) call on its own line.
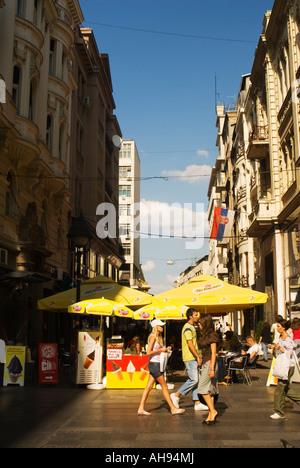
point(208, 381)
point(285, 345)
point(265, 339)
point(191, 359)
point(154, 349)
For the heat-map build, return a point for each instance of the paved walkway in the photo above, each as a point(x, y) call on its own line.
point(65, 417)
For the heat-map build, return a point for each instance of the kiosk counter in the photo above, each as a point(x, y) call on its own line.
point(125, 370)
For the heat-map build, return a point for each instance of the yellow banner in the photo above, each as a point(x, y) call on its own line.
point(271, 379)
point(14, 367)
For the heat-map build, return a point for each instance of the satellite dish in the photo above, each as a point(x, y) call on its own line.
point(117, 141)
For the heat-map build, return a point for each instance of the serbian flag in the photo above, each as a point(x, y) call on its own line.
point(222, 224)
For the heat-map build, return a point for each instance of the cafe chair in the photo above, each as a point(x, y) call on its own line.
point(243, 366)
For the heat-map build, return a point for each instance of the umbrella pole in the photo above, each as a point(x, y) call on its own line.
point(99, 385)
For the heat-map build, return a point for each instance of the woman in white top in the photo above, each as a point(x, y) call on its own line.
point(154, 350)
point(285, 345)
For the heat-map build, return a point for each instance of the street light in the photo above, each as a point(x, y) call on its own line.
point(79, 235)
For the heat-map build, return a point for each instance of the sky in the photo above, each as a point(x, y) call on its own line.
point(171, 61)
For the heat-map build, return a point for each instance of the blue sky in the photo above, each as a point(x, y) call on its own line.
point(165, 57)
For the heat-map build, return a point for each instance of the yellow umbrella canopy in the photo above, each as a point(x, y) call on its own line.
point(211, 295)
point(100, 307)
point(97, 288)
point(162, 311)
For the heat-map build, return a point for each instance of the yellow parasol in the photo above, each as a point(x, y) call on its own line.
point(97, 288)
point(211, 295)
point(162, 311)
point(100, 307)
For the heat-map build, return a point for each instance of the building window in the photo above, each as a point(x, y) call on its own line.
point(125, 151)
point(125, 190)
point(61, 142)
point(32, 101)
point(125, 172)
point(126, 249)
point(124, 210)
point(35, 12)
point(21, 8)
point(49, 131)
point(16, 86)
point(124, 230)
point(52, 57)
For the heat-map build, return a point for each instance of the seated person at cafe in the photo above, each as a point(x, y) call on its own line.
point(252, 350)
point(237, 362)
point(231, 342)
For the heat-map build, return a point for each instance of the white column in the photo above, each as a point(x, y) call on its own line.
point(279, 273)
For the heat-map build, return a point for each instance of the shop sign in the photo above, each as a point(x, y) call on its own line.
point(14, 367)
point(114, 353)
point(48, 363)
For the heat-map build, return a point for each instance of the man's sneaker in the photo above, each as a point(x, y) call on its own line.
point(201, 407)
point(276, 416)
point(175, 400)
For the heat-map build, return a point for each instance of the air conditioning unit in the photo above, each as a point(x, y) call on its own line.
point(3, 257)
point(87, 101)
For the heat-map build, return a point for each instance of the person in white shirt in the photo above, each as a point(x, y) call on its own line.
point(253, 349)
point(285, 344)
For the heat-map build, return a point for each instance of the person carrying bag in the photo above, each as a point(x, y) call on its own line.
point(283, 369)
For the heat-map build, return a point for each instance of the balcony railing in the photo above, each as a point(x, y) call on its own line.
point(241, 193)
point(259, 142)
point(262, 217)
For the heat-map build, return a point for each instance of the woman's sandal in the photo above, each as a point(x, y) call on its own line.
point(179, 411)
point(143, 413)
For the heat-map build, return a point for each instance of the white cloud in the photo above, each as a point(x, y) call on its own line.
point(149, 266)
point(187, 221)
point(202, 152)
point(171, 279)
point(193, 173)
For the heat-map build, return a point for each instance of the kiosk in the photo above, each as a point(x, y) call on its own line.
point(125, 370)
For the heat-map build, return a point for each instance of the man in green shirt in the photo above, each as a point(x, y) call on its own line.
point(192, 359)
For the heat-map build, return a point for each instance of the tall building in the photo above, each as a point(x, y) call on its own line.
point(35, 121)
point(57, 160)
point(94, 166)
point(260, 162)
point(129, 200)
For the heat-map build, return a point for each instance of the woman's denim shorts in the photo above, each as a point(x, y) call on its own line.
point(154, 369)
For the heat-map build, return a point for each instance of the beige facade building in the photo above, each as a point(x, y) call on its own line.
point(261, 169)
point(94, 166)
point(57, 160)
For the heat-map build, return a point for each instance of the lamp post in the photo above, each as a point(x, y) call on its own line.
point(79, 235)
